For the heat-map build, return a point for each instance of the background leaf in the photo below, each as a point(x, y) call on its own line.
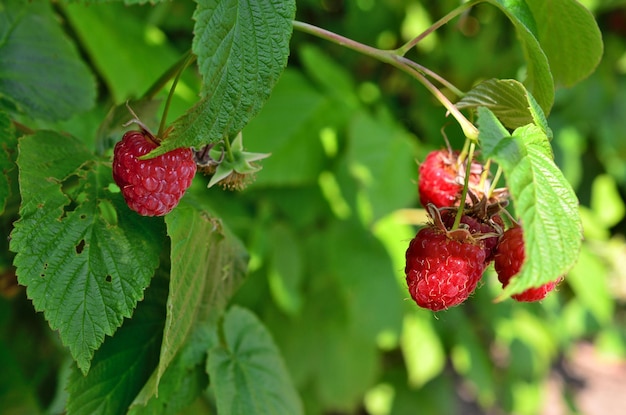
point(242, 48)
point(8, 153)
point(83, 255)
point(207, 265)
point(128, 52)
point(543, 199)
point(569, 36)
point(33, 50)
point(247, 371)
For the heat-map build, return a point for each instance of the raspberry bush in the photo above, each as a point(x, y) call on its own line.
point(229, 206)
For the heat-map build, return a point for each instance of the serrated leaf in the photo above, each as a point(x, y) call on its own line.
point(570, 37)
point(543, 199)
point(123, 364)
point(41, 70)
point(538, 76)
point(207, 265)
point(242, 48)
point(506, 98)
point(84, 257)
point(247, 371)
point(509, 100)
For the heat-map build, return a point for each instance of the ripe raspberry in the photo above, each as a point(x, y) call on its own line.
point(441, 179)
point(442, 272)
point(486, 232)
point(151, 187)
point(508, 261)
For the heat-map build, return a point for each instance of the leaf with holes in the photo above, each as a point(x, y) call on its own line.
point(84, 257)
point(242, 48)
point(544, 201)
point(247, 371)
point(121, 367)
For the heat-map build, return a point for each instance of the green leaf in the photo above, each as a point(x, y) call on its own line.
point(423, 352)
point(127, 51)
point(124, 362)
point(544, 202)
point(380, 154)
point(295, 145)
point(365, 273)
point(570, 37)
point(83, 255)
point(184, 379)
point(242, 48)
point(506, 98)
point(207, 265)
point(538, 76)
point(509, 100)
point(8, 152)
point(247, 372)
point(286, 269)
point(41, 70)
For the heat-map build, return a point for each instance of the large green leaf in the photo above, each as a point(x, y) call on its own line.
point(123, 364)
point(41, 70)
point(242, 48)
point(538, 76)
point(544, 201)
point(84, 256)
point(208, 264)
point(569, 36)
point(247, 372)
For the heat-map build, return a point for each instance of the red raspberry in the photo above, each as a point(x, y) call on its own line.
point(442, 272)
point(485, 233)
point(151, 187)
point(508, 261)
point(441, 179)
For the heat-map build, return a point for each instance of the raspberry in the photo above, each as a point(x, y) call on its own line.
point(151, 187)
point(442, 272)
point(486, 232)
point(510, 256)
point(441, 179)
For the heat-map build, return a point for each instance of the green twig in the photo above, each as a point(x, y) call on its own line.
point(400, 62)
point(402, 50)
point(189, 57)
point(160, 83)
point(470, 158)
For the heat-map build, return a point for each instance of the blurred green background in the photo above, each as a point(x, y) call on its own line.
point(329, 217)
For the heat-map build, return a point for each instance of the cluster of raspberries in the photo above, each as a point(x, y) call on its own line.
point(444, 266)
